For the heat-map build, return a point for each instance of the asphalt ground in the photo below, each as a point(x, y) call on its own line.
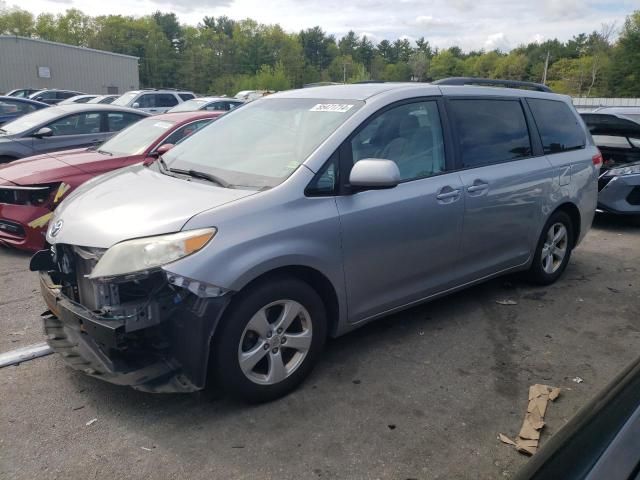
point(421, 394)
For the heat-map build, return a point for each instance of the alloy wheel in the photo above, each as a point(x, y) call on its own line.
point(555, 248)
point(275, 342)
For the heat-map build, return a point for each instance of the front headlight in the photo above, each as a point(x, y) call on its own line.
point(629, 170)
point(142, 254)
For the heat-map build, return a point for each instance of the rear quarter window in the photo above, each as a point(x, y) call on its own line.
point(558, 126)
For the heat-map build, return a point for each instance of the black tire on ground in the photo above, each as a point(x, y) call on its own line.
point(536, 273)
point(228, 376)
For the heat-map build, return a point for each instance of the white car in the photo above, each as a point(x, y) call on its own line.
point(153, 100)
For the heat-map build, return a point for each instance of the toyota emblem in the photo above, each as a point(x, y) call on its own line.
point(55, 228)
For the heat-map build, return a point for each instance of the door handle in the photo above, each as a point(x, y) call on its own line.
point(448, 194)
point(477, 187)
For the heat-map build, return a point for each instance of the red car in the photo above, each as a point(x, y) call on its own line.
point(31, 188)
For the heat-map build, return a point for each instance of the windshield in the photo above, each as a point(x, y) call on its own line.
point(137, 138)
point(30, 120)
point(190, 105)
point(261, 144)
point(124, 99)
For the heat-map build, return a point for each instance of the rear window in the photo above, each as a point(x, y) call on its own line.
point(490, 131)
point(186, 96)
point(558, 126)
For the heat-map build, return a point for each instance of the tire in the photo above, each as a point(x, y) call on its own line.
point(547, 266)
point(271, 368)
point(5, 159)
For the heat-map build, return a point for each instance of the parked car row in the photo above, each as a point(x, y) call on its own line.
point(32, 188)
point(21, 101)
point(231, 258)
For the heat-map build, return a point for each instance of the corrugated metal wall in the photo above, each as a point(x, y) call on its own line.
point(73, 68)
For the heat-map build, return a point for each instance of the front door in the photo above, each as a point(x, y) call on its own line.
point(73, 131)
point(401, 244)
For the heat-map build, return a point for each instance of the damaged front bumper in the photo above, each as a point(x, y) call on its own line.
point(167, 353)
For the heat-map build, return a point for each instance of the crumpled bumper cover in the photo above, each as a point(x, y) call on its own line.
point(84, 340)
point(615, 196)
point(23, 226)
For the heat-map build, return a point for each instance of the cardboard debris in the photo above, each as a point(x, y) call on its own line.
point(527, 440)
point(505, 439)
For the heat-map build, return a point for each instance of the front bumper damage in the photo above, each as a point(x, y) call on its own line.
point(155, 342)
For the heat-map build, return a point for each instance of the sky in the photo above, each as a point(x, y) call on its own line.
point(469, 24)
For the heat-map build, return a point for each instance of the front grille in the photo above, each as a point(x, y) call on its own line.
point(634, 197)
point(603, 182)
point(11, 228)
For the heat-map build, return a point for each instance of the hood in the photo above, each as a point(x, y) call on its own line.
point(47, 168)
point(134, 202)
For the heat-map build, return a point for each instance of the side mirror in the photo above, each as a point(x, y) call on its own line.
point(374, 173)
point(162, 149)
point(135, 105)
point(43, 132)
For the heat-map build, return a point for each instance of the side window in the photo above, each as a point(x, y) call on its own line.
point(47, 95)
point(9, 106)
point(166, 100)
point(326, 181)
point(116, 121)
point(410, 135)
point(186, 131)
point(148, 100)
point(186, 96)
point(79, 124)
point(232, 105)
point(215, 106)
point(490, 131)
point(558, 126)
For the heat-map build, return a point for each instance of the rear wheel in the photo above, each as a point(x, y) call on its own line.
point(269, 340)
point(553, 251)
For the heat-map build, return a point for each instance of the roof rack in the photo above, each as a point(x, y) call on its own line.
point(492, 82)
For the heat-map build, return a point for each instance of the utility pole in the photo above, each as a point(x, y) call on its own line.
point(546, 67)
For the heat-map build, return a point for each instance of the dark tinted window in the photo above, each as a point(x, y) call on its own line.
point(65, 95)
point(116, 121)
point(559, 129)
point(147, 101)
point(186, 131)
point(490, 131)
point(78, 124)
point(166, 100)
point(186, 96)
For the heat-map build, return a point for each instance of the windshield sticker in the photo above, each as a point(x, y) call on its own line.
point(331, 107)
point(163, 125)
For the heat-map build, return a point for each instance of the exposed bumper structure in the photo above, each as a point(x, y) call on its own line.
point(170, 356)
point(620, 195)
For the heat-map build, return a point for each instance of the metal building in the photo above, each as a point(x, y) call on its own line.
point(33, 63)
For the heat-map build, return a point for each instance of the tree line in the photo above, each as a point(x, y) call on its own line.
point(222, 55)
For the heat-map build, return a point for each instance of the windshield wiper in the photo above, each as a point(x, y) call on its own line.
point(104, 152)
point(204, 176)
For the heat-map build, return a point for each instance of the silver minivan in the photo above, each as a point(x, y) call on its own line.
point(230, 261)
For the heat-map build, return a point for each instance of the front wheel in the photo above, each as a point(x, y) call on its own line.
point(269, 340)
point(553, 250)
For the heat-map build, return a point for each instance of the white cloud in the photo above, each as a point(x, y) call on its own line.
point(496, 41)
point(468, 24)
point(431, 21)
